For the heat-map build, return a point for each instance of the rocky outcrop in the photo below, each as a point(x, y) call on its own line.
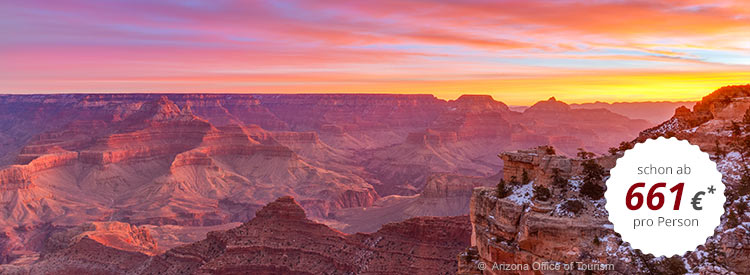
point(86, 256)
point(549, 107)
point(733, 247)
point(17, 177)
point(117, 235)
point(541, 164)
point(281, 239)
point(654, 112)
point(509, 231)
point(709, 121)
point(714, 124)
point(13, 178)
point(480, 103)
point(474, 125)
point(443, 195)
point(521, 229)
point(450, 185)
point(92, 248)
point(475, 116)
point(518, 163)
point(721, 104)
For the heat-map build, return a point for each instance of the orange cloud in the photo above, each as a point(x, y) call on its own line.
point(513, 49)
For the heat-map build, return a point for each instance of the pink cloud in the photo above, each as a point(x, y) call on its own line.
point(367, 41)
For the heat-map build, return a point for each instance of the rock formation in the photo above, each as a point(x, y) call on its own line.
point(118, 235)
point(521, 229)
point(541, 163)
point(719, 125)
point(568, 129)
point(654, 112)
point(280, 239)
point(457, 140)
point(443, 195)
point(157, 163)
point(92, 248)
point(180, 161)
point(710, 120)
point(505, 231)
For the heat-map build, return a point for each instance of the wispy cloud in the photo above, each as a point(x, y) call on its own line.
point(442, 47)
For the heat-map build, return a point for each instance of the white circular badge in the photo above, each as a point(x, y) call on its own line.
point(665, 196)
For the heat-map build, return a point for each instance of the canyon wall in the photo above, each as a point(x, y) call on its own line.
point(518, 228)
point(206, 160)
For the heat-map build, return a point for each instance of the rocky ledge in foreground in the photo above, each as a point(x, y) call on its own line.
point(549, 215)
point(280, 240)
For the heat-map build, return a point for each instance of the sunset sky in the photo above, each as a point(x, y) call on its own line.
point(517, 51)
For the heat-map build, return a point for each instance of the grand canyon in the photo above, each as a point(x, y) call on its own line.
point(474, 137)
point(329, 184)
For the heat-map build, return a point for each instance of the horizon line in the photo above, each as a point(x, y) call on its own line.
point(341, 93)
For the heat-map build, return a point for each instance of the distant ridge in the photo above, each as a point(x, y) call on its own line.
point(652, 111)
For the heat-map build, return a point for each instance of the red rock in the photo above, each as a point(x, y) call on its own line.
point(566, 128)
point(512, 230)
point(206, 159)
point(710, 117)
point(443, 195)
point(709, 126)
point(88, 256)
point(654, 112)
point(281, 239)
point(118, 235)
point(550, 107)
